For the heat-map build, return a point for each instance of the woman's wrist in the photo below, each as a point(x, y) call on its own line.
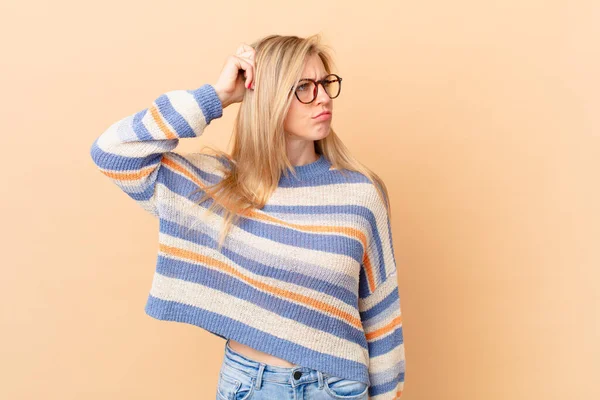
point(224, 98)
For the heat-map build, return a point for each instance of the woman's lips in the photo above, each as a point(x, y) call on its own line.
point(323, 117)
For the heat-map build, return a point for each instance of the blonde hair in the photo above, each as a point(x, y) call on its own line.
point(258, 157)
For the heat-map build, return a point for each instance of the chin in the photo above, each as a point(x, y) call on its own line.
point(325, 135)
point(315, 134)
point(320, 133)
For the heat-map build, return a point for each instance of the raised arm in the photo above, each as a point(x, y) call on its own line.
point(132, 151)
point(135, 151)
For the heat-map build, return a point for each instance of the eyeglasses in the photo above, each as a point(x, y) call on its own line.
point(307, 89)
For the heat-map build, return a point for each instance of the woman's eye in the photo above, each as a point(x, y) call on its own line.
point(302, 87)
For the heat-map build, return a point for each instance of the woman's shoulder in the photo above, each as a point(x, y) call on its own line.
point(369, 191)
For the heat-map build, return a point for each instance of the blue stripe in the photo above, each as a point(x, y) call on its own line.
point(138, 127)
point(390, 386)
point(117, 163)
point(330, 178)
point(174, 118)
point(383, 305)
point(209, 102)
point(387, 343)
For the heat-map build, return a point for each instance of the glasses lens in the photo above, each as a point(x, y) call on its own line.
point(305, 91)
point(332, 86)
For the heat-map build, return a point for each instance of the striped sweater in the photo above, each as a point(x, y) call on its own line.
point(310, 277)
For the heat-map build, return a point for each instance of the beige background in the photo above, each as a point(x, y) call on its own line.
point(481, 116)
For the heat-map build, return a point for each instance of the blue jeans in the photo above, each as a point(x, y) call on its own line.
point(242, 378)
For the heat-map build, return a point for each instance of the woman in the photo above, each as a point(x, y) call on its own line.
point(288, 253)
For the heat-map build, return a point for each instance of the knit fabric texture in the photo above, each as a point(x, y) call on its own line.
point(310, 278)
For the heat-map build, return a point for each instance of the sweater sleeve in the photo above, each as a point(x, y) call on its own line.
point(132, 151)
point(379, 306)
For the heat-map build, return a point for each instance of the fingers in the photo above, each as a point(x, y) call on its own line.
point(247, 66)
point(244, 49)
point(245, 55)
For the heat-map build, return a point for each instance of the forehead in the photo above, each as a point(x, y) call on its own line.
point(314, 68)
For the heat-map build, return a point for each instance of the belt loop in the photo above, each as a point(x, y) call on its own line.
point(320, 379)
point(258, 382)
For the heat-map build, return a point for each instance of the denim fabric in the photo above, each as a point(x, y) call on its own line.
point(241, 378)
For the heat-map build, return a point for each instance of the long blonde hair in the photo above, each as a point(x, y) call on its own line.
point(258, 157)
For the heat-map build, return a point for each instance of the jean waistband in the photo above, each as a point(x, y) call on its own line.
point(272, 373)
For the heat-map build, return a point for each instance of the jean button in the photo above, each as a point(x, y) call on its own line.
point(297, 374)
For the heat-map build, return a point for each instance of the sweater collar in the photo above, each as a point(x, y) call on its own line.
point(311, 169)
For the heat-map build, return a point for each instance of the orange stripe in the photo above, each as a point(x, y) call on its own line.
point(130, 175)
point(369, 271)
point(298, 298)
point(182, 170)
point(156, 116)
point(384, 329)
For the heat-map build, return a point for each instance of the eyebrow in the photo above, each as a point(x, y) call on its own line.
point(323, 77)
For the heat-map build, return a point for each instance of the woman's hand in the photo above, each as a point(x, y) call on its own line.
point(237, 76)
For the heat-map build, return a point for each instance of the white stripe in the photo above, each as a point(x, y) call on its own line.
point(186, 105)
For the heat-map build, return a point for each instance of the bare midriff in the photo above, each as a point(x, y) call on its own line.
point(258, 355)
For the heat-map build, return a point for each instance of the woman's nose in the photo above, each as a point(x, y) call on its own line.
point(322, 96)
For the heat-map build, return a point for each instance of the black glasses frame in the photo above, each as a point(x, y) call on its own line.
point(316, 90)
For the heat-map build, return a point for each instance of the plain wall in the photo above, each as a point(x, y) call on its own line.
point(481, 117)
